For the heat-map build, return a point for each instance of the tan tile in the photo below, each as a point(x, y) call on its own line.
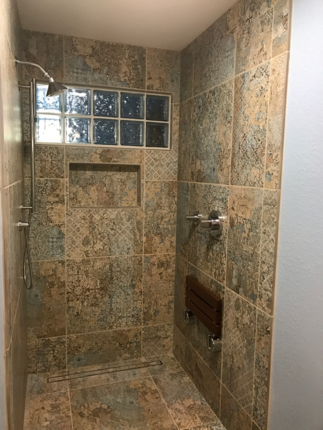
point(157, 340)
point(281, 27)
point(49, 161)
point(276, 121)
point(47, 355)
point(186, 77)
point(185, 141)
point(232, 414)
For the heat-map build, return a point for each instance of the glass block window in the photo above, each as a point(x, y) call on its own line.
point(99, 116)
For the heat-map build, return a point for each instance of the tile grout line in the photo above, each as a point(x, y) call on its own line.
point(231, 185)
point(70, 402)
point(164, 401)
point(65, 262)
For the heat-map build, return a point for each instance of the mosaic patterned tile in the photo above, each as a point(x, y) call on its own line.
point(261, 378)
point(214, 56)
point(46, 300)
point(101, 63)
point(268, 247)
point(239, 323)
point(281, 26)
point(45, 49)
point(51, 410)
point(131, 405)
point(170, 365)
point(276, 121)
point(103, 347)
point(161, 165)
point(102, 185)
point(158, 289)
point(212, 135)
point(245, 206)
point(214, 426)
point(196, 333)
point(47, 232)
point(205, 250)
point(185, 141)
point(157, 340)
point(183, 400)
point(163, 71)
point(250, 127)
point(232, 414)
point(103, 155)
point(203, 377)
point(253, 34)
point(107, 378)
point(103, 294)
point(103, 232)
point(187, 64)
point(47, 355)
point(179, 294)
point(160, 217)
point(49, 161)
point(175, 127)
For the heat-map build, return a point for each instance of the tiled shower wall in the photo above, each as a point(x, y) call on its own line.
point(103, 278)
point(12, 291)
point(233, 84)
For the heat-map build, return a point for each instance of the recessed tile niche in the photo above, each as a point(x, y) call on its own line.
point(104, 185)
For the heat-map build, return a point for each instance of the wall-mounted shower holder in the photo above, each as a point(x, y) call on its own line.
point(214, 343)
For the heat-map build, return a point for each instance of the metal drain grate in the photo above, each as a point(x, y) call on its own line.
point(103, 371)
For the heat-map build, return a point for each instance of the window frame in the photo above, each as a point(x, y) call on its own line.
point(92, 117)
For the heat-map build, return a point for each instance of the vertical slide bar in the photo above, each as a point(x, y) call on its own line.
point(32, 146)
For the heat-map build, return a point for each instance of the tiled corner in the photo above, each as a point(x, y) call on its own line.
point(250, 127)
point(232, 414)
point(239, 325)
point(281, 26)
point(214, 60)
point(163, 71)
point(245, 209)
point(179, 294)
point(261, 377)
point(212, 135)
point(101, 63)
point(183, 400)
point(160, 217)
point(185, 141)
point(179, 346)
point(103, 294)
point(183, 227)
point(47, 355)
point(103, 347)
point(103, 232)
point(268, 248)
point(46, 300)
point(47, 232)
point(158, 289)
point(157, 340)
point(45, 49)
point(276, 121)
point(203, 377)
point(186, 76)
point(253, 34)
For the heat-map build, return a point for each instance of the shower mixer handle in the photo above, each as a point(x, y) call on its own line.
point(196, 217)
point(22, 225)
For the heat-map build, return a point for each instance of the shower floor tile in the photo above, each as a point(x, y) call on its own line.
point(150, 398)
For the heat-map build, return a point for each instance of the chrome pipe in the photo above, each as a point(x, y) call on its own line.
point(32, 146)
point(28, 63)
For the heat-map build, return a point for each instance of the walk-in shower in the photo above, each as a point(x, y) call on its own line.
point(54, 89)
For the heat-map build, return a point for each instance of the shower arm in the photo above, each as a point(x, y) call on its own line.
point(28, 63)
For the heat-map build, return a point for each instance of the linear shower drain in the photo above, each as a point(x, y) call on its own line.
point(103, 370)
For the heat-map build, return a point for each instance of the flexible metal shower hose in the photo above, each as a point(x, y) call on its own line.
point(29, 284)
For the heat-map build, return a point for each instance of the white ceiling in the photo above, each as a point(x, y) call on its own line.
point(166, 24)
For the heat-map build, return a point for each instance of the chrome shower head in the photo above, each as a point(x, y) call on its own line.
point(54, 88)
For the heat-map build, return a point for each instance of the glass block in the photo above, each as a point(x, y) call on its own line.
point(105, 103)
point(78, 101)
point(132, 133)
point(47, 104)
point(78, 130)
point(157, 108)
point(156, 135)
point(132, 105)
point(105, 132)
point(49, 129)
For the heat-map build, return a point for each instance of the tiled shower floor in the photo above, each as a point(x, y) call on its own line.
point(150, 398)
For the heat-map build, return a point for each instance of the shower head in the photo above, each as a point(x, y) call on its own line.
point(54, 88)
